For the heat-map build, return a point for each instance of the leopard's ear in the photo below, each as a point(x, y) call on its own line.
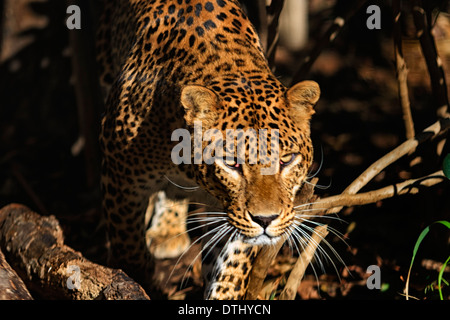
point(200, 104)
point(302, 97)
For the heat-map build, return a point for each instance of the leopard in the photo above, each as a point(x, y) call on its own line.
point(197, 66)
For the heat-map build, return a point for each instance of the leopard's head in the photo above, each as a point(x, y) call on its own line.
point(255, 152)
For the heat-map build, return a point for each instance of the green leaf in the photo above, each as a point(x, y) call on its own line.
point(416, 248)
point(441, 272)
point(446, 166)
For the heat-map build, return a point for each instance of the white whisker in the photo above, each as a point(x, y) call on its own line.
point(309, 210)
point(191, 219)
point(190, 246)
point(309, 177)
point(321, 249)
point(334, 231)
point(307, 238)
point(192, 229)
point(207, 213)
point(305, 205)
point(231, 238)
point(203, 204)
point(301, 232)
point(320, 165)
point(303, 243)
point(308, 216)
point(204, 219)
point(181, 187)
point(228, 229)
point(223, 230)
point(319, 186)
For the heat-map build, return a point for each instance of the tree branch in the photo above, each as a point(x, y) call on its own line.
point(260, 267)
point(407, 187)
point(273, 35)
point(87, 90)
point(34, 247)
point(407, 147)
point(433, 61)
point(11, 286)
point(290, 290)
point(402, 71)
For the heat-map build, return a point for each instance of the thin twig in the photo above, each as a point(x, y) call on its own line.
point(422, 21)
point(2, 21)
point(406, 187)
point(402, 71)
point(273, 35)
point(87, 90)
point(260, 267)
point(405, 148)
point(290, 290)
point(433, 61)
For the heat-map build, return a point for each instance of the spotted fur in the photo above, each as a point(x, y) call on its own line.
point(167, 65)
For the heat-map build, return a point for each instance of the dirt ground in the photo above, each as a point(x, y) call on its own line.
point(357, 121)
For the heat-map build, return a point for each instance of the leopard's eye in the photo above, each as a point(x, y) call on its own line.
point(232, 164)
point(287, 159)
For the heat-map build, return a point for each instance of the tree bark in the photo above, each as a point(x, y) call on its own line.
point(34, 246)
point(11, 286)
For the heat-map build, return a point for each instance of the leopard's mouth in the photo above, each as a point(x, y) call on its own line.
point(255, 231)
point(258, 236)
point(262, 240)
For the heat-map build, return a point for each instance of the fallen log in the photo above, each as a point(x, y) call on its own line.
point(34, 246)
point(11, 286)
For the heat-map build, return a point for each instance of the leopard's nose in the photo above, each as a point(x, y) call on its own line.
point(263, 220)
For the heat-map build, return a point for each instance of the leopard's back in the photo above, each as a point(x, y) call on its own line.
point(192, 41)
